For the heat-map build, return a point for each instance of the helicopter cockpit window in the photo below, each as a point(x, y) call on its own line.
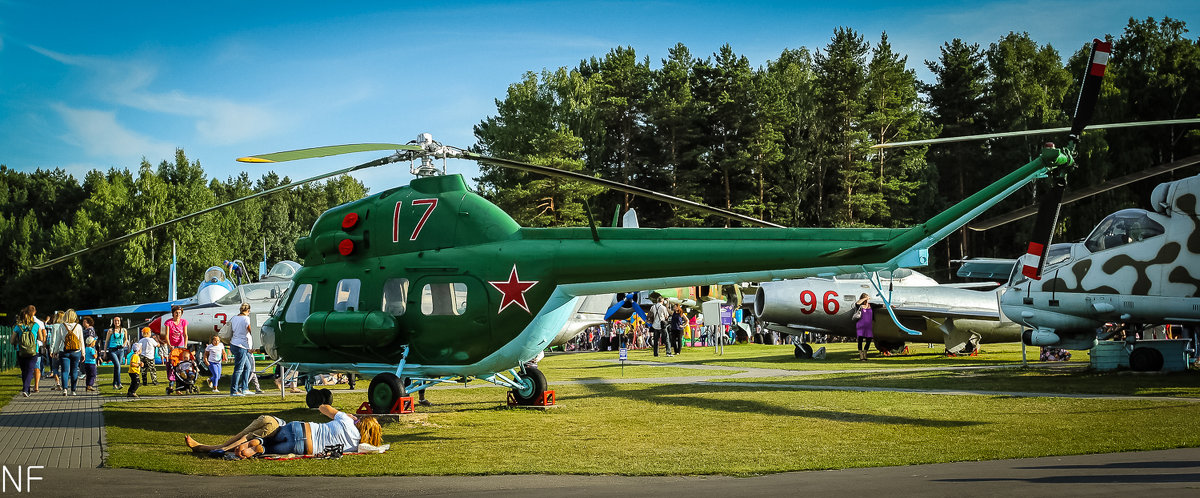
point(448, 298)
point(301, 305)
point(1122, 227)
point(394, 292)
point(1057, 254)
point(346, 298)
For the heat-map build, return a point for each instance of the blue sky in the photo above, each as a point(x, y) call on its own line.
point(85, 85)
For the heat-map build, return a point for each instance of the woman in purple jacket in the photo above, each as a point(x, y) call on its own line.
point(864, 325)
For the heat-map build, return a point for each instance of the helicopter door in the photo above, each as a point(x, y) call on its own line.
point(448, 316)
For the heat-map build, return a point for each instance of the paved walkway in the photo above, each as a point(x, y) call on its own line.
point(52, 430)
point(1165, 473)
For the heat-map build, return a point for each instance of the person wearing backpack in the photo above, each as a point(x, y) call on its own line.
point(26, 336)
point(70, 350)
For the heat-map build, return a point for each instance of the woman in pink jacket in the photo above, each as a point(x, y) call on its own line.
point(176, 328)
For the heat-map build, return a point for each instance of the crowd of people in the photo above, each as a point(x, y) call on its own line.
point(67, 350)
point(681, 328)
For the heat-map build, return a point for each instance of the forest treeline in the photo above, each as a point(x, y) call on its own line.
point(48, 213)
point(788, 142)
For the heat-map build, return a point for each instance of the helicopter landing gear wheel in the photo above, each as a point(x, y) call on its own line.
point(318, 397)
point(804, 351)
point(1145, 360)
point(533, 387)
point(384, 391)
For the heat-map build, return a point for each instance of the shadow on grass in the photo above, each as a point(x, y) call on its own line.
point(844, 360)
point(1052, 380)
point(669, 395)
point(219, 420)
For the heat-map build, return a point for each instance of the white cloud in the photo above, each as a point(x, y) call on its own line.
point(217, 121)
point(99, 134)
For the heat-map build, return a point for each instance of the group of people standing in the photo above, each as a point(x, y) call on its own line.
point(62, 345)
point(666, 326)
point(66, 346)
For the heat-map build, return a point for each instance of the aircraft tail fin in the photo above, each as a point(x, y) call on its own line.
point(172, 283)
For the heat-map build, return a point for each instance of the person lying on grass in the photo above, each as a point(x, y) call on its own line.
point(271, 435)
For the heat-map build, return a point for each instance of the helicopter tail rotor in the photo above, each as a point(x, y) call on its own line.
point(1051, 205)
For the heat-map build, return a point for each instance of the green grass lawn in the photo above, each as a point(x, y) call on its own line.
point(10, 385)
point(657, 429)
point(671, 429)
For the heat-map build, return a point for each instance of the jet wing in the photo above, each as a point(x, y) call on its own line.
point(924, 310)
point(973, 285)
point(134, 309)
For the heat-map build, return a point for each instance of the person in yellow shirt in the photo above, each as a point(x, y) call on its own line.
point(135, 371)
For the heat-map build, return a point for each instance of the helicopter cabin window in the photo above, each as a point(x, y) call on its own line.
point(301, 305)
point(395, 291)
point(346, 298)
point(1122, 227)
point(444, 298)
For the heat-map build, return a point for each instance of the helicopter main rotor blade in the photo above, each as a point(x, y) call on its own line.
point(1027, 211)
point(131, 235)
point(621, 187)
point(330, 150)
point(1043, 131)
point(1043, 229)
point(1051, 206)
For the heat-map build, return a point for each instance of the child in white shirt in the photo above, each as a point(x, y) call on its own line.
point(148, 345)
point(214, 355)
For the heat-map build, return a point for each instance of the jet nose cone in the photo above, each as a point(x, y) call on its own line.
point(156, 324)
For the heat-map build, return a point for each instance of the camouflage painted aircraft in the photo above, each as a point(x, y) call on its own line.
point(1137, 267)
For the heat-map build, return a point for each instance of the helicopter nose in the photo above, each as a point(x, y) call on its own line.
point(156, 325)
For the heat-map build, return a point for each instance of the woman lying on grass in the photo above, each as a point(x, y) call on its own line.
point(271, 435)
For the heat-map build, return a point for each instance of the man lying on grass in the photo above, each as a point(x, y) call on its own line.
point(271, 435)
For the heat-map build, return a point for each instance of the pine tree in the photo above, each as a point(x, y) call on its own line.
point(842, 165)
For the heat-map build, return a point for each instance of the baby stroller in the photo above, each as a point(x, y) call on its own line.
point(185, 372)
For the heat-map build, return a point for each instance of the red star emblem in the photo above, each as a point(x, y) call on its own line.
point(513, 291)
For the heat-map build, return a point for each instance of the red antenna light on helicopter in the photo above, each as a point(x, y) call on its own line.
point(345, 247)
point(349, 221)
